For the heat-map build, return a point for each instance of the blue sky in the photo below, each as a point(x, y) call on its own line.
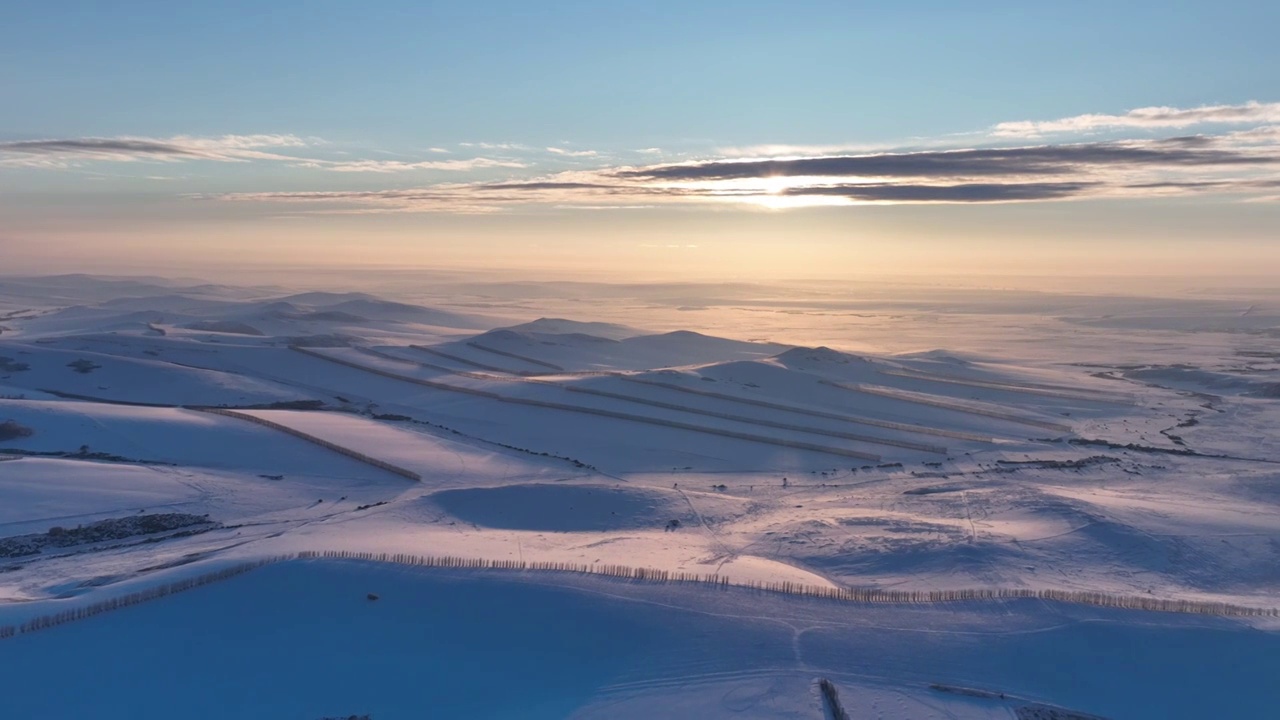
point(129, 123)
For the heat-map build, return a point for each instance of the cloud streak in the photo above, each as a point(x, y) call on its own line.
point(1148, 118)
point(1245, 163)
point(1043, 160)
point(572, 153)
point(1240, 158)
point(69, 153)
point(226, 148)
point(959, 193)
point(395, 166)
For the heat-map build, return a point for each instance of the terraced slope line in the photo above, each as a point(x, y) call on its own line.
point(394, 376)
point(90, 398)
point(353, 454)
point(595, 411)
point(907, 444)
point(1012, 384)
point(933, 401)
point(870, 422)
point(464, 361)
point(532, 361)
point(430, 366)
point(1054, 391)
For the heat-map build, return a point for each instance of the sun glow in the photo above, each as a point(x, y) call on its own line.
point(780, 192)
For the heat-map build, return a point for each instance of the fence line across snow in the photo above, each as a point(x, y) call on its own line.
point(654, 575)
point(788, 587)
point(153, 593)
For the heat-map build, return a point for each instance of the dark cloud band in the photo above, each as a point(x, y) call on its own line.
point(106, 146)
point(963, 193)
point(984, 162)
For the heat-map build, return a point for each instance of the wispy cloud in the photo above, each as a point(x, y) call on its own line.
point(495, 145)
point(1148, 118)
point(395, 166)
point(572, 153)
point(782, 150)
point(1237, 152)
point(603, 207)
point(1032, 173)
point(74, 152)
point(225, 148)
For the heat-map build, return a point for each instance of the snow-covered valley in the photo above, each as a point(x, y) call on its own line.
point(1037, 443)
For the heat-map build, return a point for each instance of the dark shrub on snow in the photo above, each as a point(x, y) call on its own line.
point(11, 430)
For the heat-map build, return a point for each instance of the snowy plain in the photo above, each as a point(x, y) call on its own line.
point(899, 438)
